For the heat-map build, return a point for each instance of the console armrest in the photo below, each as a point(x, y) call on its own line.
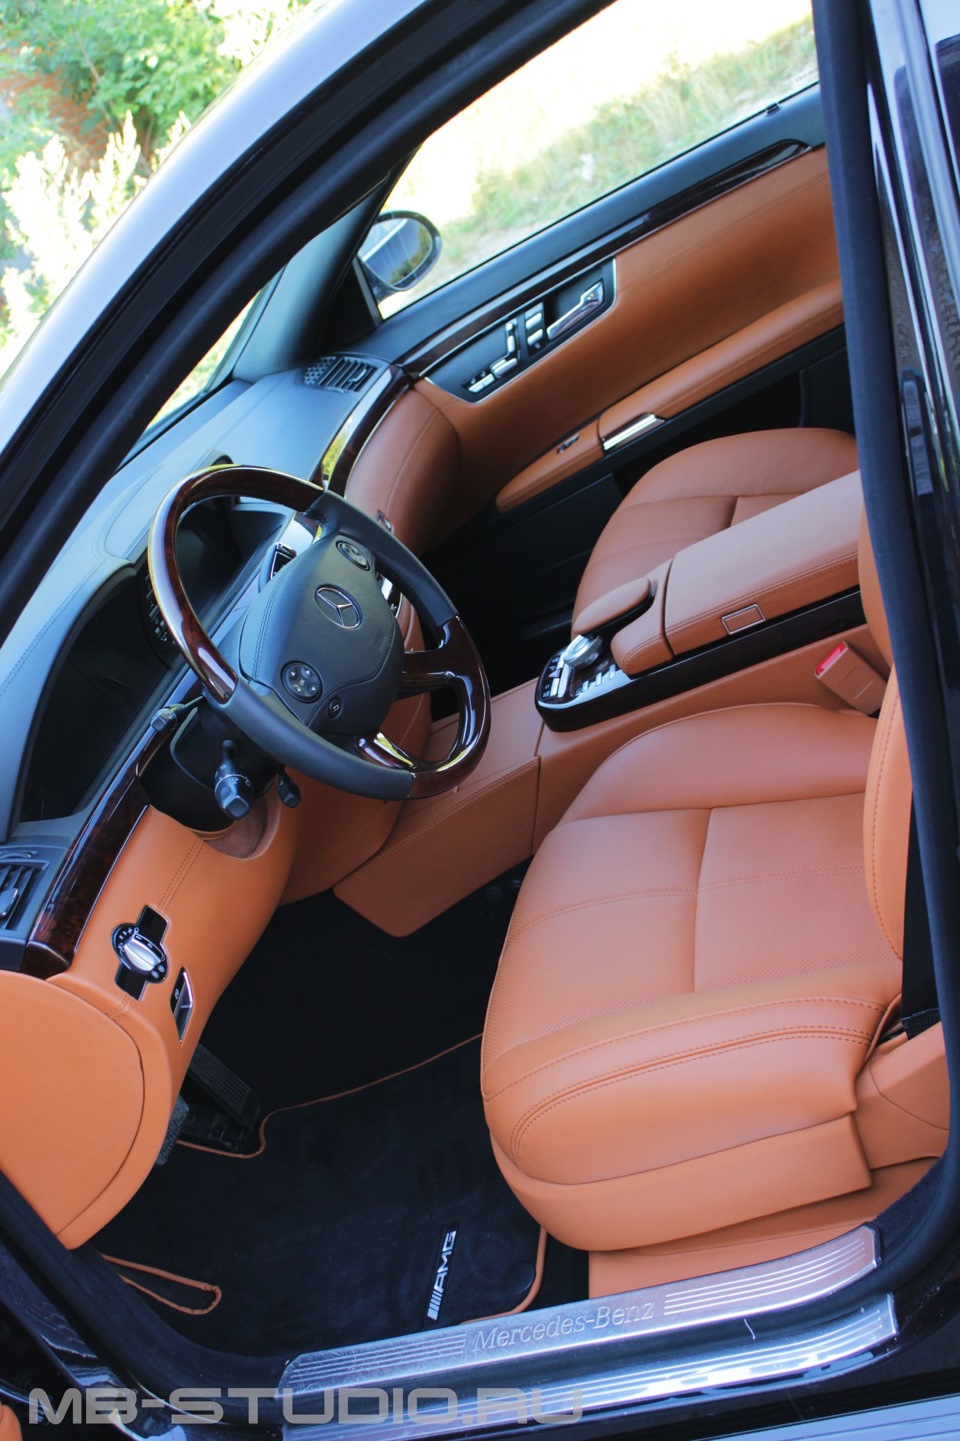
point(782, 560)
point(612, 611)
point(769, 584)
point(642, 644)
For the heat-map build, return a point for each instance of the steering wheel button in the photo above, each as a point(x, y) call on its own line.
point(353, 554)
point(302, 681)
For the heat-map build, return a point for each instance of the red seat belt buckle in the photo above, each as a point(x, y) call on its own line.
point(852, 678)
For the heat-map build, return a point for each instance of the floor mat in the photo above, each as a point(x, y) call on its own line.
point(335, 1233)
point(326, 1000)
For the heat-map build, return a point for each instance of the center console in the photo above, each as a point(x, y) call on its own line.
point(765, 613)
point(773, 583)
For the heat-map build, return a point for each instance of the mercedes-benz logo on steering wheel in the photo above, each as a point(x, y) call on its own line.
point(338, 607)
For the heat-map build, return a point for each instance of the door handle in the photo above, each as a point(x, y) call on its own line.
point(589, 302)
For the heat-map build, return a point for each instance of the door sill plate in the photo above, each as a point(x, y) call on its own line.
point(585, 1356)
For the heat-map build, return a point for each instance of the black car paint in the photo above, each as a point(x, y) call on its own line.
point(870, 269)
point(920, 1233)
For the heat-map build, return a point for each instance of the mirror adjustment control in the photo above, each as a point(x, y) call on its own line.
point(511, 358)
point(534, 324)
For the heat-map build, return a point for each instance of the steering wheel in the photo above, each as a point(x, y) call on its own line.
point(319, 657)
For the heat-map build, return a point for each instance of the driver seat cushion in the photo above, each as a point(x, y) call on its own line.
point(705, 489)
point(694, 977)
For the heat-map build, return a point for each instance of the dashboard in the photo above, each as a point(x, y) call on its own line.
point(89, 662)
point(119, 664)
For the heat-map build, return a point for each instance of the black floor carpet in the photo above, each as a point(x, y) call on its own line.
point(333, 1234)
point(326, 1001)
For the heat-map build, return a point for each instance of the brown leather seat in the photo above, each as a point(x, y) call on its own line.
point(703, 956)
point(703, 490)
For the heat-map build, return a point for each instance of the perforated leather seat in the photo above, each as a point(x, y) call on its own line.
point(703, 955)
point(703, 490)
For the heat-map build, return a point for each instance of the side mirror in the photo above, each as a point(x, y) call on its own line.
point(401, 246)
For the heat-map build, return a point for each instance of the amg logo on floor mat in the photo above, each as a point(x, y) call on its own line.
point(440, 1280)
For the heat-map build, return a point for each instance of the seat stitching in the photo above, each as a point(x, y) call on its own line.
point(683, 1021)
point(665, 893)
point(608, 553)
point(631, 500)
point(572, 1093)
point(794, 707)
point(681, 1058)
point(762, 877)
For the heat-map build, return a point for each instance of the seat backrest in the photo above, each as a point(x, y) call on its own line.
point(889, 797)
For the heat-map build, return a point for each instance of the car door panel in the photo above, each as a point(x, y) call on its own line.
point(785, 329)
point(486, 294)
point(755, 268)
point(570, 455)
point(771, 336)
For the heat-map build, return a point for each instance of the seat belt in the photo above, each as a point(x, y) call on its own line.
point(918, 1008)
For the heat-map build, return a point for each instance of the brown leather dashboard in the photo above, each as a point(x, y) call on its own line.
point(88, 1109)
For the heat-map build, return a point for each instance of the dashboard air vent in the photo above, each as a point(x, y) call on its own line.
point(339, 372)
point(18, 871)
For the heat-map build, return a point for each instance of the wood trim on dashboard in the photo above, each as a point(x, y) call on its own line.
point(56, 933)
point(341, 454)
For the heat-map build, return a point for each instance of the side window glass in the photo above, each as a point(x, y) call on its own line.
point(634, 87)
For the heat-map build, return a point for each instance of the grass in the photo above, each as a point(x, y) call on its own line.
point(628, 136)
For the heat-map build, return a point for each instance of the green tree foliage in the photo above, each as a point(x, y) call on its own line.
point(134, 73)
point(157, 59)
